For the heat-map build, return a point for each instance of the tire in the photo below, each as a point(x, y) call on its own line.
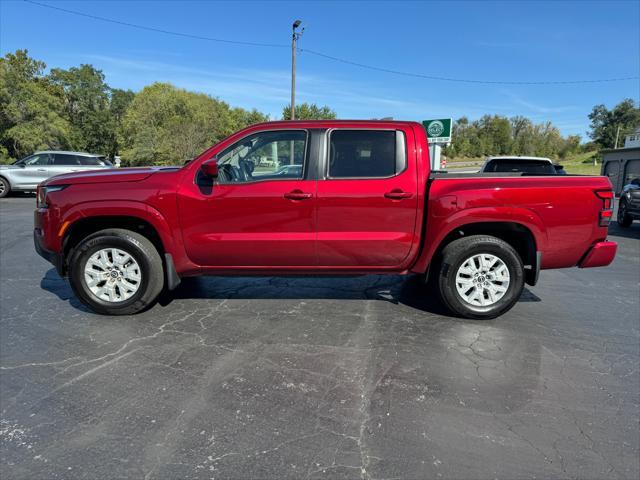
point(624, 219)
point(5, 187)
point(145, 262)
point(456, 273)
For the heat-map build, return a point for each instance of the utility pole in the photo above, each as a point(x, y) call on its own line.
point(617, 135)
point(294, 41)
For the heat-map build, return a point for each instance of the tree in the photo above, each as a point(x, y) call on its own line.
point(166, 125)
point(495, 132)
point(86, 106)
point(605, 122)
point(119, 102)
point(571, 146)
point(522, 131)
point(497, 135)
point(309, 111)
point(31, 108)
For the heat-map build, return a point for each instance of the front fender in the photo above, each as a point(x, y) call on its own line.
point(438, 228)
point(119, 208)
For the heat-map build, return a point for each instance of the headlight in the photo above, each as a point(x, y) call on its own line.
point(41, 198)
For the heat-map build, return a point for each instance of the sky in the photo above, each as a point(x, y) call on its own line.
point(510, 41)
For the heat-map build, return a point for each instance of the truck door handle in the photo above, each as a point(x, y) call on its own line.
point(297, 195)
point(41, 170)
point(397, 194)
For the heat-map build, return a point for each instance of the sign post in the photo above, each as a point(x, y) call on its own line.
point(439, 134)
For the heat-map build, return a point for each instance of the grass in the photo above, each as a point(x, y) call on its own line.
point(582, 164)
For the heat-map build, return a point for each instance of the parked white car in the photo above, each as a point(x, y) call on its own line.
point(28, 172)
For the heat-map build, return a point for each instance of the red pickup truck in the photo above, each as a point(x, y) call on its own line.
point(310, 197)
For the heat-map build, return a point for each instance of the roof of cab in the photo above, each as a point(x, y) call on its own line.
point(517, 157)
point(328, 122)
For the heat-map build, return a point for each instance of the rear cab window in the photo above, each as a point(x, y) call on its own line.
point(366, 153)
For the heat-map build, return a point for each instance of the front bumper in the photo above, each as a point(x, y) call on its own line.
point(54, 258)
point(599, 255)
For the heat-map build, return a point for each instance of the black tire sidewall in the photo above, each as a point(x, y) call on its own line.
point(624, 219)
point(7, 188)
point(91, 246)
point(448, 280)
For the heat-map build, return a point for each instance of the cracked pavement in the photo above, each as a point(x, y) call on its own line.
point(360, 377)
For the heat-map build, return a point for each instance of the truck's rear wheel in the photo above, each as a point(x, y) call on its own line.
point(481, 277)
point(116, 272)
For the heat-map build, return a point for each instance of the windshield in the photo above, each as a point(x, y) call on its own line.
point(520, 165)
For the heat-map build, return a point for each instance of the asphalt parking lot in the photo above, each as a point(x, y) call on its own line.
point(362, 377)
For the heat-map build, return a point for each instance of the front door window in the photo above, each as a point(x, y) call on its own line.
point(276, 155)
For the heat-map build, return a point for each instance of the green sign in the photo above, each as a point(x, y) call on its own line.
point(438, 130)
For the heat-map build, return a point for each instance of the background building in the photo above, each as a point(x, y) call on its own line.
point(622, 165)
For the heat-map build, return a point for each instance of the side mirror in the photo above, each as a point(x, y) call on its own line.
point(210, 168)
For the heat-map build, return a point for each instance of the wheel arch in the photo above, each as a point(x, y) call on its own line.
point(89, 217)
point(516, 234)
point(86, 226)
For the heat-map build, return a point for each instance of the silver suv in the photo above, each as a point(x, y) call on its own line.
point(27, 173)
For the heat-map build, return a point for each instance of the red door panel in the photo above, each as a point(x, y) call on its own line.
point(263, 224)
point(368, 222)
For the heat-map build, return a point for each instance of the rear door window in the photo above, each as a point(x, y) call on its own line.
point(65, 159)
point(94, 161)
point(366, 153)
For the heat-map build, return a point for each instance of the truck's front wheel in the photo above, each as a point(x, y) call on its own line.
point(116, 272)
point(481, 277)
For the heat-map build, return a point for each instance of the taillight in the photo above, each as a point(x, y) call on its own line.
point(607, 206)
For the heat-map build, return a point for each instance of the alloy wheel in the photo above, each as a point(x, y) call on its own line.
point(482, 280)
point(112, 275)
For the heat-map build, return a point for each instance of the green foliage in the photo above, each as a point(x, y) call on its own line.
point(118, 104)
point(605, 123)
point(309, 111)
point(86, 106)
point(166, 125)
point(497, 135)
point(30, 108)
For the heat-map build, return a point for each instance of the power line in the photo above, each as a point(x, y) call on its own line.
point(333, 58)
point(157, 30)
point(462, 80)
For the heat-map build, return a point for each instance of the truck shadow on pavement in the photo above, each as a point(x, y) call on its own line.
point(410, 291)
point(52, 282)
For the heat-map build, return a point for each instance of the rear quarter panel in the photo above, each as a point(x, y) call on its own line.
point(562, 212)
